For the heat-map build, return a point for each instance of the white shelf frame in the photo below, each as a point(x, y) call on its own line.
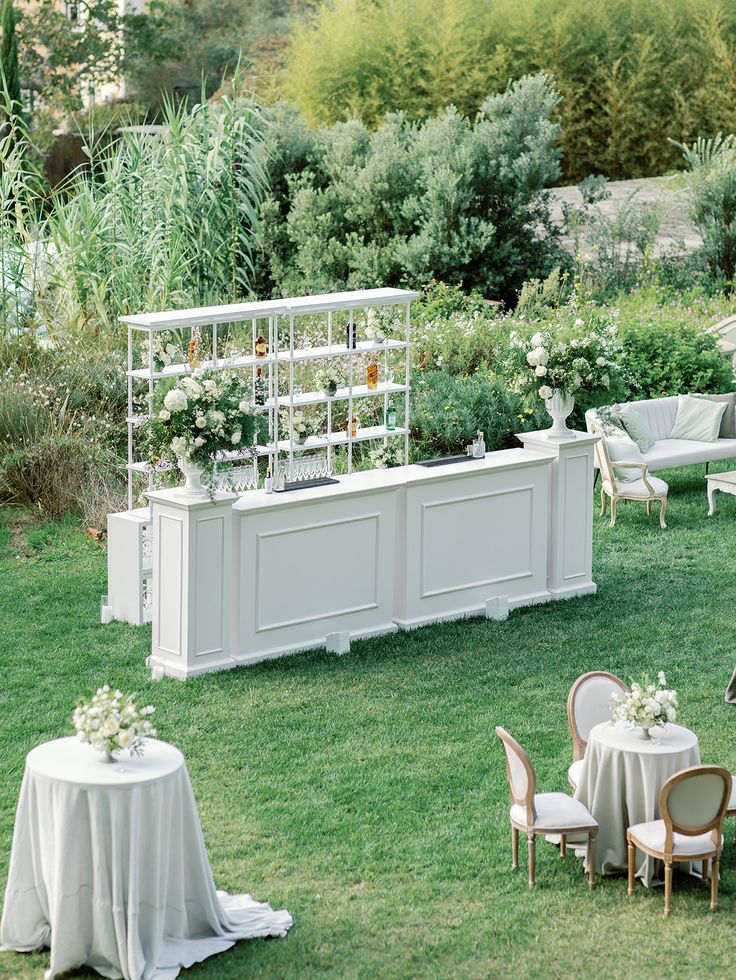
point(274, 311)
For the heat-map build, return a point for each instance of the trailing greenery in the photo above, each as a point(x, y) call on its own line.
point(367, 793)
point(630, 72)
point(456, 199)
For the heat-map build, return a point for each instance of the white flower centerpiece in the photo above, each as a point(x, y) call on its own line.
point(328, 379)
point(197, 418)
point(576, 351)
point(379, 325)
point(648, 704)
point(299, 428)
point(164, 350)
point(111, 721)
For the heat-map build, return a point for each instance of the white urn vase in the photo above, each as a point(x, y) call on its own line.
point(559, 406)
point(193, 487)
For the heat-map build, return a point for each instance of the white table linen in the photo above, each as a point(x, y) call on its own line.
point(109, 869)
point(620, 781)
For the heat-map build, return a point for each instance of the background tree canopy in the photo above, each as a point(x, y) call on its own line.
point(630, 73)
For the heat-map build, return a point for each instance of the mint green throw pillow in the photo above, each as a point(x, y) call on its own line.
point(698, 419)
point(637, 426)
point(624, 450)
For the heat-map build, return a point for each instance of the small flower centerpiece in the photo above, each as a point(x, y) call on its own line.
point(380, 324)
point(574, 352)
point(111, 721)
point(299, 428)
point(328, 379)
point(198, 417)
point(164, 350)
point(648, 704)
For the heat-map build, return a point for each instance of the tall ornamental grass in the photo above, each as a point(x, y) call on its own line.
point(154, 220)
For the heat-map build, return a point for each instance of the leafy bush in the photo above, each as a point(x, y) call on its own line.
point(712, 184)
point(447, 411)
point(666, 348)
point(629, 71)
point(453, 199)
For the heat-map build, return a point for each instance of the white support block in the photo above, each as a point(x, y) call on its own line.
point(338, 642)
point(192, 565)
point(570, 561)
point(497, 608)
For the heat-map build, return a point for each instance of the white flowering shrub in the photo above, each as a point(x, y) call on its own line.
point(648, 704)
point(199, 416)
point(111, 721)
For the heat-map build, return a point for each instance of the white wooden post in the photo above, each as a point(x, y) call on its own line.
point(192, 568)
point(570, 560)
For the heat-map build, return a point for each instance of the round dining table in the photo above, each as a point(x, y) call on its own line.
point(108, 868)
point(620, 781)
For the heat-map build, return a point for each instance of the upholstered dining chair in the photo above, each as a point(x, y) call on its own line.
point(589, 703)
point(731, 808)
point(533, 813)
point(647, 488)
point(692, 803)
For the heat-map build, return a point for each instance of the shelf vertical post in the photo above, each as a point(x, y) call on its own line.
point(130, 417)
point(349, 432)
point(406, 384)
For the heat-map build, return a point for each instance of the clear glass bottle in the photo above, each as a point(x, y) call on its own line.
point(259, 389)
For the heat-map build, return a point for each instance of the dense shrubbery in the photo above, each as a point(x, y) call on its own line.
point(455, 199)
point(630, 72)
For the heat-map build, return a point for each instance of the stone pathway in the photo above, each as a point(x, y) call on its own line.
point(667, 192)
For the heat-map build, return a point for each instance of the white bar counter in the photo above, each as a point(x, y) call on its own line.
point(264, 575)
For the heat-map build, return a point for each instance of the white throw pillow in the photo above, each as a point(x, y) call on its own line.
point(622, 449)
point(697, 419)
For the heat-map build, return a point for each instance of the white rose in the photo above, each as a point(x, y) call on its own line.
point(199, 442)
point(540, 370)
point(244, 406)
point(545, 392)
point(111, 726)
point(125, 738)
point(209, 385)
point(601, 361)
point(176, 400)
point(200, 421)
point(537, 340)
point(235, 437)
point(179, 446)
point(164, 415)
point(671, 714)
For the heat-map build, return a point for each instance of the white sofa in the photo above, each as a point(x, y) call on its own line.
point(667, 453)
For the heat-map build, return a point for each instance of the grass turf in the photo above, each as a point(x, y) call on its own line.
point(367, 793)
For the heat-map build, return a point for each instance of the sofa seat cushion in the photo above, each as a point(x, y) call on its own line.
point(668, 453)
point(637, 488)
point(652, 835)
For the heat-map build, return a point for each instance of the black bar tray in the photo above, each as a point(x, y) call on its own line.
point(325, 481)
point(446, 460)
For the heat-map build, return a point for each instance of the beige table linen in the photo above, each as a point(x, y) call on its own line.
point(109, 869)
point(620, 781)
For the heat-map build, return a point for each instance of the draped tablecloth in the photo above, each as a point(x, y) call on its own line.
point(620, 781)
point(108, 868)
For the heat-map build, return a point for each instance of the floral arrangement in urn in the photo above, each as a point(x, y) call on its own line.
point(197, 417)
point(380, 324)
point(110, 721)
point(648, 704)
point(576, 352)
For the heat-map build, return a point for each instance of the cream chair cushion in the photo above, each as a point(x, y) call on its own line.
point(652, 835)
point(574, 772)
point(638, 488)
point(732, 802)
point(555, 811)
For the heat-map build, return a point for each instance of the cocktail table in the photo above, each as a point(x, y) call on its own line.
point(725, 482)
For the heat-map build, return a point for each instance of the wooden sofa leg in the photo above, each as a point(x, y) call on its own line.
point(604, 502)
point(614, 501)
point(707, 468)
point(662, 512)
point(649, 508)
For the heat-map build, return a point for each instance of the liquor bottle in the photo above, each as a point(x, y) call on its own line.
point(259, 389)
point(268, 482)
point(390, 416)
point(261, 346)
point(195, 348)
point(351, 332)
point(372, 376)
point(352, 427)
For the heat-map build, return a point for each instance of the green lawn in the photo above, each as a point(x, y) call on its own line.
point(367, 793)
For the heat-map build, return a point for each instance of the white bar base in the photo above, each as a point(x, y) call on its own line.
point(338, 643)
point(497, 608)
point(573, 591)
